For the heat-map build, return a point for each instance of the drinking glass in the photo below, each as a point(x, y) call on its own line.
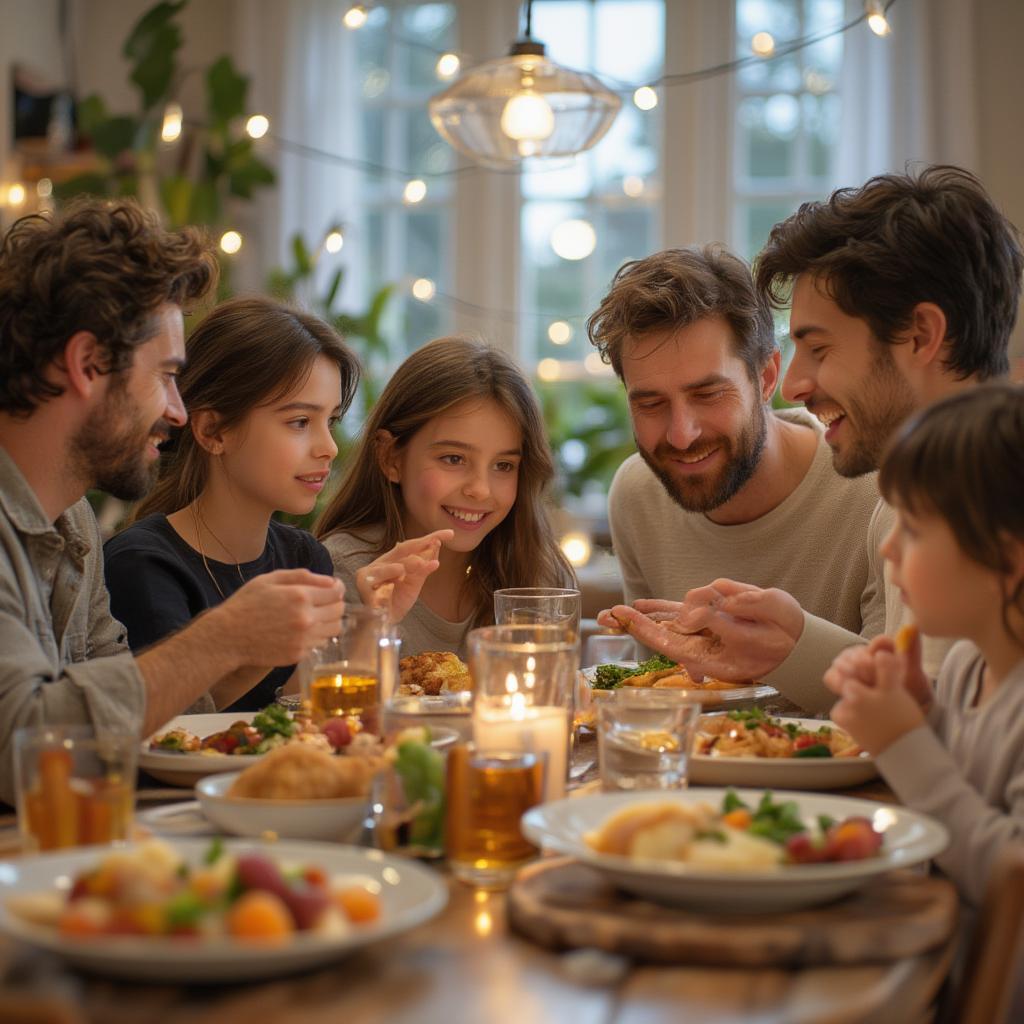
point(644, 739)
point(609, 649)
point(524, 678)
point(344, 675)
point(486, 795)
point(545, 606)
point(73, 786)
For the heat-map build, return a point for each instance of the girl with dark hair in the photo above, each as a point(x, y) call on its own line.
point(455, 442)
point(264, 386)
point(955, 476)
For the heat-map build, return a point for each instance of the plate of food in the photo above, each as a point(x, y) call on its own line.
point(190, 747)
point(735, 851)
point(194, 910)
point(750, 748)
point(660, 673)
point(433, 674)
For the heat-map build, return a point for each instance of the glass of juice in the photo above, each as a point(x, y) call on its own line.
point(344, 676)
point(73, 786)
point(486, 794)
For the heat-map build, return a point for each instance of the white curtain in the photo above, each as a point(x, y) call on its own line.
point(301, 59)
point(918, 82)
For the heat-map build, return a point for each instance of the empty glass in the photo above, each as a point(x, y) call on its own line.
point(542, 606)
point(609, 649)
point(644, 739)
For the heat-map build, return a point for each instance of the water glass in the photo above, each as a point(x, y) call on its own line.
point(344, 673)
point(73, 786)
point(543, 606)
point(609, 649)
point(644, 739)
point(486, 795)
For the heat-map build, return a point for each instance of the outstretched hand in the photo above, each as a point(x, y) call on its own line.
point(394, 580)
point(727, 630)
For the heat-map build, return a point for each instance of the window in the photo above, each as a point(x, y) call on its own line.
point(403, 240)
point(602, 209)
point(787, 115)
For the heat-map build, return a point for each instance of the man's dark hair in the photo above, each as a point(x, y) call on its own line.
point(98, 266)
point(901, 239)
point(679, 287)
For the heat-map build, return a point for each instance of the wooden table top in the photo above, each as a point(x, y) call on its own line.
point(465, 966)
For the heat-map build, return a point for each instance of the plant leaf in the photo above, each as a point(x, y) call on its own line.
point(113, 136)
point(225, 91)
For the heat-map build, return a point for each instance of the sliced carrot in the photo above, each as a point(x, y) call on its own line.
point(260, 916)
point(359, 905)
point(740, 818)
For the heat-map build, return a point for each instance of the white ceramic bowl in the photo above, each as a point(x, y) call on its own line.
point(337, 820)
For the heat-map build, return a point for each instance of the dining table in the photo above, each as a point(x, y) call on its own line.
point(468, 965)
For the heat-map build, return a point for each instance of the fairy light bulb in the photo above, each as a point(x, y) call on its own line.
point(16, 194)
point(334, 241)
point(763, 44)
point(448, 65)
point(424, 289)
point(355, 16)
point(645, 98)
point(170, 129)
point(257, 126)
point(877, 21)
point(231, 242)
point(414, 191)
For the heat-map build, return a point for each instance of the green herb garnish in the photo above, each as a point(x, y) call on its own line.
point(816, 750)
point(272, 720)
point(608, 677)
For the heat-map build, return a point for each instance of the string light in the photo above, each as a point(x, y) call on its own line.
point(16, 194)
point(560, 332)
point(448, 65)
point(574, 239)
point(645, 98)
point(577, 548)
point(334, 241)
point(414, 191)
point(877, 21)
point(170, 130)
point(549, 369)
point(423, 289)
point(633, 185)
point(594, 364)
point(763, 44)
point(257, 126)
point(231, 242)
point(355, 17)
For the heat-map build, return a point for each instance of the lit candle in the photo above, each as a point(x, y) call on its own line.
point(514, 725)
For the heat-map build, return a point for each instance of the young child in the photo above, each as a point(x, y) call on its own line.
point(264, 385)
point(955, 476)
point(456, 443)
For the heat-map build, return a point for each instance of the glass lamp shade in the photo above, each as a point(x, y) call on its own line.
point(522, 106)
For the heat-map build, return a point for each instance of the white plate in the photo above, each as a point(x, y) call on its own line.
point(178, 769)
point(336, 820)
point(741, 697)
point(410, 895)
point(180, 819)
point(783, 772)
point(909, 839)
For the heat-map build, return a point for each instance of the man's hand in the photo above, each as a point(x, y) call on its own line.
point(875, 705)
point(727, 630)
point(394, 580)
point(279, 617)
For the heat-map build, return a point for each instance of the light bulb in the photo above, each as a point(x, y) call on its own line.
point(257, 126)
point(355, 16)
point(645, 98)
point(171, 127)
point(44, 188)
point(576, 547)
point(593, 363)
point(528, 116)
point(414, 191)
point(633, 185)
point(549, 369)
point(573, 239)
point(559, 332)
point(763, 44)
point(423, 289)
point(334, 241)
point(877, 21)
point(16, 194)
point(448, 65)
point(231, 242)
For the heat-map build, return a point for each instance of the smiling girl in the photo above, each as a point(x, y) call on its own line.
point(455, 442)
point(955, 477)
point(264, 386)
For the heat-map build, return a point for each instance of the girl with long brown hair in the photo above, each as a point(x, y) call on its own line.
point(264, 385)
point(455, 442)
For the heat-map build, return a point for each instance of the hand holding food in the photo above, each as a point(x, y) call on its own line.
point(727, 630)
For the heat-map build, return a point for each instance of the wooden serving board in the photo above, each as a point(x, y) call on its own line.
point(561, 903)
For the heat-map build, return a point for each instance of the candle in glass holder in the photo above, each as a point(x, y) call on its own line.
point(518, 726)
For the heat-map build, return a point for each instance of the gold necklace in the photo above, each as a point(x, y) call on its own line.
point(196, 520)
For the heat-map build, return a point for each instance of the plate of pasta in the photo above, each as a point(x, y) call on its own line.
point(750, 748)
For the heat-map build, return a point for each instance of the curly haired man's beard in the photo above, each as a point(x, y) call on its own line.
point(703, 493)
point(110, 449)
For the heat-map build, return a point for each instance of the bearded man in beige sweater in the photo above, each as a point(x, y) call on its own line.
point(902, 292)
point(721, 484)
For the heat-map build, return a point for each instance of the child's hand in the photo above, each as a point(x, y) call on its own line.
point(394, 580)
point(858, 663)
point(876, 712)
